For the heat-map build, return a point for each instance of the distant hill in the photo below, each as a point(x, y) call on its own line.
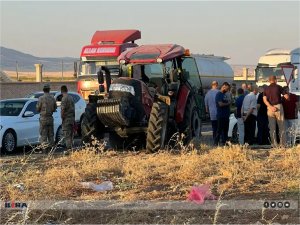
point(10, 58)
point(26, 62)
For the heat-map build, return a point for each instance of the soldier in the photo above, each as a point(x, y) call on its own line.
point(46, 106)
point(67, 116)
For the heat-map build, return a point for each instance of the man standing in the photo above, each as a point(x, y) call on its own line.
point(272, 98)
point(290, 108)
point(240, 121)
point(67, 116)
point(211, 108)
point(245, 88)
point(223, 113)
point(263, 137)
point(46, 106)
point(249, 110)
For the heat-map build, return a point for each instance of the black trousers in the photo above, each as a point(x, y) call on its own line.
point(250, 126)
point(222, 131)
point(214, 125)
point(263, 133)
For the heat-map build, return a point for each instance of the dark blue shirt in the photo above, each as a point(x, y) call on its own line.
point(238, 104)
point(224, 111)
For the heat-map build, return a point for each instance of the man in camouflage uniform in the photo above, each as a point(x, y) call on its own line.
point(46, 106)
point(67, 116)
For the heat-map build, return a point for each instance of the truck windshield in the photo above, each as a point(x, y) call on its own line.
point(92, 67)
point(263, 73)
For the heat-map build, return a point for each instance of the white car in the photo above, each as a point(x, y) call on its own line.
point(233, 130)
point(19, 124)
point(80, 103)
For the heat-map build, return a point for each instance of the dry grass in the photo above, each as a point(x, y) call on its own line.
point(29, 76)
point(233, 170)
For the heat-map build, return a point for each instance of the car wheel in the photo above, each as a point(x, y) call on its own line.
point(9, 141)
point(59, 134)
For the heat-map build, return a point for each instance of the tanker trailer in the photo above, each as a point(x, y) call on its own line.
point(212, 68)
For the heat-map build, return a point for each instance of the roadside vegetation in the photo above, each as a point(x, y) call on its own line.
point(233, 172)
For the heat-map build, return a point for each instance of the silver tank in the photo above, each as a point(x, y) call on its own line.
point(212, 68)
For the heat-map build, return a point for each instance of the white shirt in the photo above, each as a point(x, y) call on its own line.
point(250, 103)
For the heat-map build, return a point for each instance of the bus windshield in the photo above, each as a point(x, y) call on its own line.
point(263, 73)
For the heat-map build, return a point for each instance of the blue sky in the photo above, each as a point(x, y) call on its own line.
point(239, 29)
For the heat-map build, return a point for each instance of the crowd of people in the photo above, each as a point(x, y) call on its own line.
point(46, 106)
point(272, 109)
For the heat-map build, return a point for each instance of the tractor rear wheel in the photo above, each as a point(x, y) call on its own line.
point(157, 127)
point(90, 124)
point(191, 126)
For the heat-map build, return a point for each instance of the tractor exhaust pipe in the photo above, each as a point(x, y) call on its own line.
point(100, 76)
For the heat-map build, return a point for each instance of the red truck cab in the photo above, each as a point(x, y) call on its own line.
point(104, 49)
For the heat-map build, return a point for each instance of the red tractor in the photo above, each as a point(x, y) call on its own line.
point(157, 94)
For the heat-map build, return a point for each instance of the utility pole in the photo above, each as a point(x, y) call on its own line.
point(62, 69)
point(17, 70)
point(75, 69)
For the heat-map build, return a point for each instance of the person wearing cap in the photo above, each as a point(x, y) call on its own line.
point(67, 116)
point(46, 105)
point(210, 106)
point(272, 98)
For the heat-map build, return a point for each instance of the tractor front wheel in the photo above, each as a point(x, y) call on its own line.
point(157, 127)
point(90, 124)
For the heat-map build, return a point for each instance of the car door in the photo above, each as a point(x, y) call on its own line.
point(78, 101)
point(30, 125)
point(79, 109)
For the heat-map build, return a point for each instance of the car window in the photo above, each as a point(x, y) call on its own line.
point(11, 108)
point(37, 95)
point(75, 97)
point(32, 107)
point(59, 98)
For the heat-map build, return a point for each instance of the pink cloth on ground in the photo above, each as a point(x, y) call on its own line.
point(200, 193)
